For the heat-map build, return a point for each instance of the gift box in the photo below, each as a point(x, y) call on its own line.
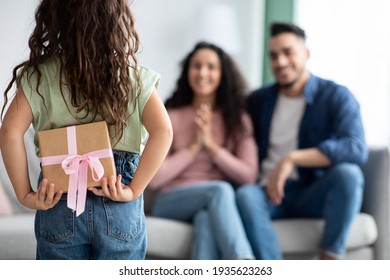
point(76, 157)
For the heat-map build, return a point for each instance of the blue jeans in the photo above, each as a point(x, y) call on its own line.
point(211, 207)
point(336, 198)
point(105, 230)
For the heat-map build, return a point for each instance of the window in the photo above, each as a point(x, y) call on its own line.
point(350, 44)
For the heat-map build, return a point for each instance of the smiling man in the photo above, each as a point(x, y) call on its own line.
point(311, 142)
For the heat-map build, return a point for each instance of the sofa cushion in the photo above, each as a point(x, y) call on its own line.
point(306, 234)
point(168, 239)
point(363, 253)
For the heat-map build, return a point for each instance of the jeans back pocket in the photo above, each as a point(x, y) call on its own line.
point(56, 224)
point(125, 219)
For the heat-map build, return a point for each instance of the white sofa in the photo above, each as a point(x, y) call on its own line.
point(167, 239)
point(300, 238)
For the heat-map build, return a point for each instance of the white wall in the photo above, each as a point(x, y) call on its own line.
point(16, 18)
point(164, 28)
point(353, 48)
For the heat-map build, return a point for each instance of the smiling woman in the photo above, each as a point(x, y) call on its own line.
point(213, 149)
point(204, 75)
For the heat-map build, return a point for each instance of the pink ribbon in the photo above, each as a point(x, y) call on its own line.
point(76, 166)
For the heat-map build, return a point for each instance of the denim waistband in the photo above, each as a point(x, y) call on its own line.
point(126, 164)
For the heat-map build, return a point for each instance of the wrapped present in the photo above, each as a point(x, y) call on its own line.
point(75, 158)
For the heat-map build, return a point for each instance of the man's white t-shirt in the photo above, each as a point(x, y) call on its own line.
point(283, 133)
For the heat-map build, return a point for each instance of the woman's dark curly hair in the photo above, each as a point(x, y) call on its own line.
point(230, 97)
point(96, 42)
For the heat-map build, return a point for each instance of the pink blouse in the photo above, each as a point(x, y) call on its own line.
point(238, 164)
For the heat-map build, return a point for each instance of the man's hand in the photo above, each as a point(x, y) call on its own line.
point(277, 180)
point(311, 157)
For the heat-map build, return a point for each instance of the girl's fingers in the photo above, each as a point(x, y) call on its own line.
point(46, 197)
point(118, 185)
point(50, 195)
point(42, 191)
point(108, 188)
point(96, 191)
point(57, 197)
point(105, 189)
point(112, 186)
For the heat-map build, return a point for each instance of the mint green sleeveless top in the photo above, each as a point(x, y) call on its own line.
point(54, 111)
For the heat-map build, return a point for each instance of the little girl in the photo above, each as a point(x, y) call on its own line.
point(82, 68)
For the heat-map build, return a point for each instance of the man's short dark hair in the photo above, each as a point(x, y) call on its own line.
point(284, 27)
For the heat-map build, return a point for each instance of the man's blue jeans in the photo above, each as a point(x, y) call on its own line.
point(211, 208)
point(336, 198)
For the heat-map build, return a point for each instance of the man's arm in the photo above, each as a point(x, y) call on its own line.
point(348, 143)
point(311, 157)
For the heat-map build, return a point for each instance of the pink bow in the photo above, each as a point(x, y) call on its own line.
point(76, 166)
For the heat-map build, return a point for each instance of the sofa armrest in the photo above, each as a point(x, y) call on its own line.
point(377, 196)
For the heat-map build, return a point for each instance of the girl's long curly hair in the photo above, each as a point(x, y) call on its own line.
point(96, 42)
point(230, 97)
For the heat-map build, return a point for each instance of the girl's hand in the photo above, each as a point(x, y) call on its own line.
point(44, 198)
point(115, 191)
